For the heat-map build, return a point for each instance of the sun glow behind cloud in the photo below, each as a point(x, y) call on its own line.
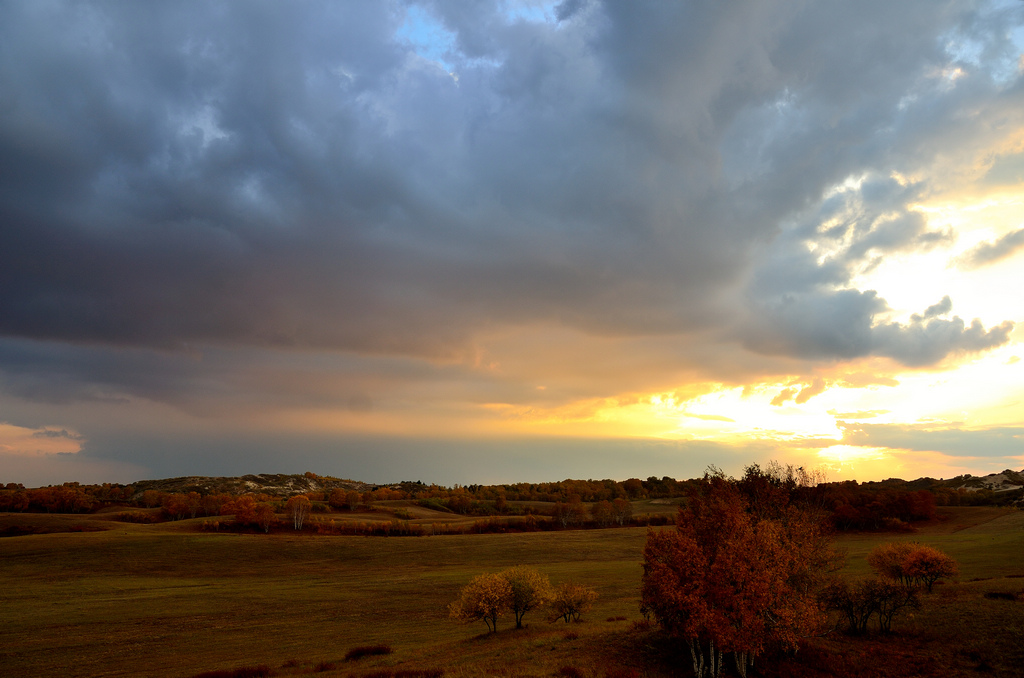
point(913, 281)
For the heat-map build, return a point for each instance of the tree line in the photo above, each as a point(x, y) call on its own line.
point(892, 505)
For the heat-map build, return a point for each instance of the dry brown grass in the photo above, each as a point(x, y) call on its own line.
point(166, 600)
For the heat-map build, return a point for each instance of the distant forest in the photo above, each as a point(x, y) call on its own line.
point(891, 505)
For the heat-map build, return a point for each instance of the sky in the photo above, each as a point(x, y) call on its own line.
point(510, 241)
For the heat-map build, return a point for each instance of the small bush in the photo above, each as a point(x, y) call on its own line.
point(261, 671)
point(367, 651)
point(859, 601)
point(570, 635)
point(1000, 595)
point(323, 667)
point(570, 672)
point(980, 659)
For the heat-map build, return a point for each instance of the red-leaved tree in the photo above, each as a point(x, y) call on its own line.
point(731, 579)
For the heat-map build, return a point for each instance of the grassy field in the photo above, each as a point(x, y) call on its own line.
point(165, 600)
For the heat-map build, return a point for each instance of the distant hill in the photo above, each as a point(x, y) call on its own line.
point(284, 485)
point(274, 484)
point(997, 482)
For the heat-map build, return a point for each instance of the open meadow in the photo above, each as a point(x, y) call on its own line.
point(169, 600)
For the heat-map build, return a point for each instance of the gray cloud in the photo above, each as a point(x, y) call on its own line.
point(52, 433)
point(800, 298)
point(841, 324)
point(294, 176)
point(924, 343)
point(208, 203)
point(1005, 442)
point(1007, 170)
point(944, 306)
point(991, 252)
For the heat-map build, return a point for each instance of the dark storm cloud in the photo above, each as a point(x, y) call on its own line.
point(219, 381)
point(265, 175)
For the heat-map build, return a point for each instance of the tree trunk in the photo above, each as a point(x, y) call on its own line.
point(698, 658)
point(741, 663)
point(716, 661)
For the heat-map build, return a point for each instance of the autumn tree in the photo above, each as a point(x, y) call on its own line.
point(14, 501)
point(560, 513)
point(175, 505)
point(486, 597)
point(728, 579)
point(889, 561)
point(213, 504)
point(912, 564)
point(460, 501)
point(194, 502)
point(927, 565)
point(298, 508)
point(570, 600)
point(243, 508)
point(530, 590)
point(264, 516)
point(336, 499)
point(634, 488)
point(577, 512)
point(602, 513)
point(622, 510)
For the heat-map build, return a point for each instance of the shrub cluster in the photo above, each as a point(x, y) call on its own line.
point(261, 671)
point(518, 590)
point(902, 569)
point(367, 651)
point(860, 601)
point(912, 564)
